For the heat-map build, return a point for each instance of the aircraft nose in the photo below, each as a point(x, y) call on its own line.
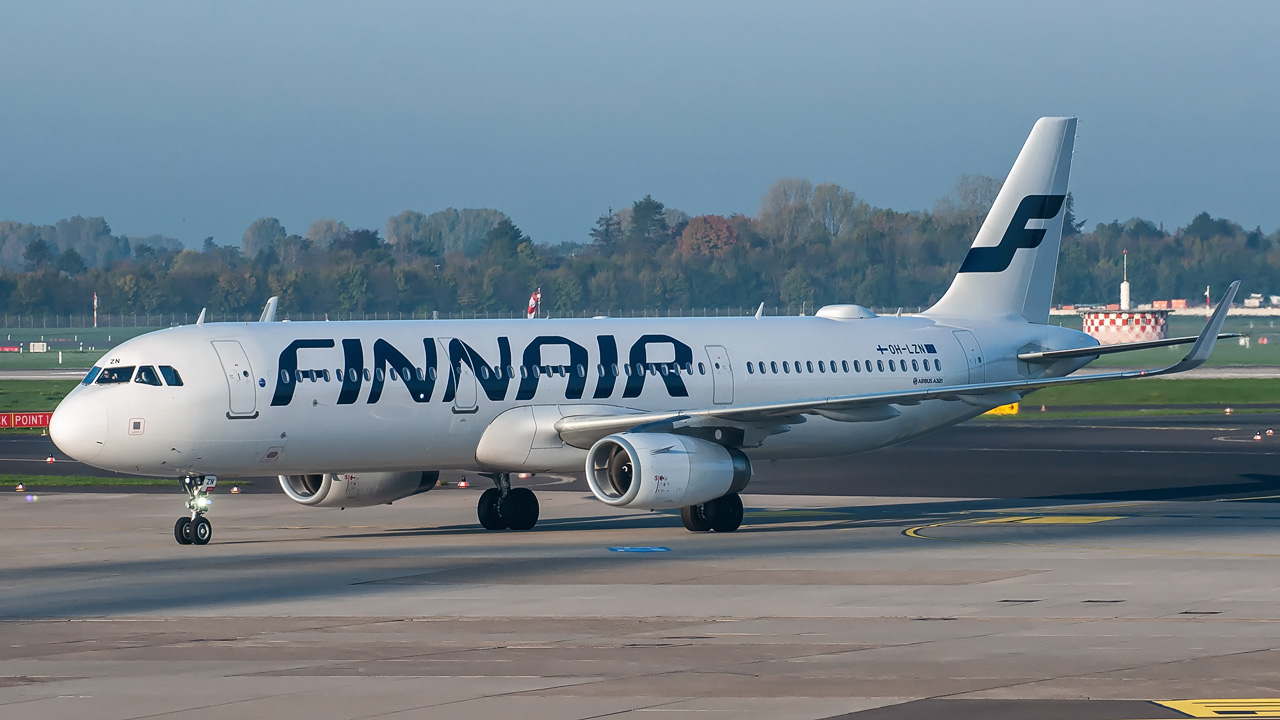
point(79, 428)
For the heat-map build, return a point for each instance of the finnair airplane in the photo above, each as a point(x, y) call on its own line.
point(661, 413)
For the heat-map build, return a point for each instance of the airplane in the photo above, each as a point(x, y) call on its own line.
point(662, 413)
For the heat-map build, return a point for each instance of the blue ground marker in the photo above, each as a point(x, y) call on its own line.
point(640, 549)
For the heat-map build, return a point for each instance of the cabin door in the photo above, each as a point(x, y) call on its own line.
point(242, 399)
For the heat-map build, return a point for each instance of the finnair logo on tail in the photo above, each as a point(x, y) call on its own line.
point(1017, 235)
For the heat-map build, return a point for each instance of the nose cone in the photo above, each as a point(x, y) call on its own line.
point(79, 427)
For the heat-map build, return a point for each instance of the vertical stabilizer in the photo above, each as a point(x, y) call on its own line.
point(1010, 268)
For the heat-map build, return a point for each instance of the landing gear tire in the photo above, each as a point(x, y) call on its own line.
point(201, 531)
point(725, 514)
point(519, 508)
point(694, 518)
point(182, 531)
point(487, 510)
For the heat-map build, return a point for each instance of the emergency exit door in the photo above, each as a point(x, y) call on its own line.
point(242, 396)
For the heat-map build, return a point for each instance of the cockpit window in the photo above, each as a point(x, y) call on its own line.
point(171, 376)
point(93, 375)
point(147, 376)
point(116, 374)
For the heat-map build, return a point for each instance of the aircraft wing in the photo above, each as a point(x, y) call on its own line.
point(1049, 356)
point(582, 430)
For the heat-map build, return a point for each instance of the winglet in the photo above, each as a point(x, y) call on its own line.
point(269, 312)
point(1204, 343)
point(760, 311)
point(200, 320)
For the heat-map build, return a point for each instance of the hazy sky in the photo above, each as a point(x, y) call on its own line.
point(193, 119)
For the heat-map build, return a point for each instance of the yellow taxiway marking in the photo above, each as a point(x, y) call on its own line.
point(919, 530)
point(1216, 708)
point(1050, 519)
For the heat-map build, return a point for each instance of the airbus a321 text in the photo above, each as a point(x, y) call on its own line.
point(661, 413)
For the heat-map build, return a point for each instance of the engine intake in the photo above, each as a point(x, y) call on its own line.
point(356, 489)
point(662, 470)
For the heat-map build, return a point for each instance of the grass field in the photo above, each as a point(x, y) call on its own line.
point(35, 482)
point(33, 395)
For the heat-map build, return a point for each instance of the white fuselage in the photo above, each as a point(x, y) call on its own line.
point(308, 397)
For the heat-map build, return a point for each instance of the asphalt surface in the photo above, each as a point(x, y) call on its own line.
point(1199, 457)
point(1091, 570)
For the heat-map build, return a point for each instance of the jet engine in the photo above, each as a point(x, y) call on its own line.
point(662, 470)
point(356, 489)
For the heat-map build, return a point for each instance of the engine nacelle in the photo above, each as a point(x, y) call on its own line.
point(356, 489)
point(662, 470)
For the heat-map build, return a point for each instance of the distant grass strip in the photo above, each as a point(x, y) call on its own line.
point(39, 481)
point(33, 395)
point(1155, 393)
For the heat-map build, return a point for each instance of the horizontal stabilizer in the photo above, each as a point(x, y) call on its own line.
point(1053, 355)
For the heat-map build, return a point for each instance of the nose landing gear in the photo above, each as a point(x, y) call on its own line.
point(195, 530)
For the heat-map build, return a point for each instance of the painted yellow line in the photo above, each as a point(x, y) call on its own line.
point(1049, 520)
point(918, 532)
point(1225, 707)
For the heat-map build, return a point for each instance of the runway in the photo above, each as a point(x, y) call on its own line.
point(1056, 569)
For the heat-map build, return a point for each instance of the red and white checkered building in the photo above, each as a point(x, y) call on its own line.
point(1112, 326)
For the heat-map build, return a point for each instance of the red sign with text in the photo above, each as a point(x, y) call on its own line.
point(25, 420)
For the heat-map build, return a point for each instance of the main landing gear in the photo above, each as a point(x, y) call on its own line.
point(503, 507)
point(724, 514)
point(195, 530)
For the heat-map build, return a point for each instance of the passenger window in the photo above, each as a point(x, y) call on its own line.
point(326, 375)
point(582, 372)
point(147, 375)
point(114, 375)
point(367, 377)
point(751, 368)
point(822, 366)
point(93, 375)
point(378, 375)
point(431, 373)
point(880, 365)
point(937, 364)
point(857, 366)
point(915, 366)
point(484, 372)
point(702, 369)
point(845, 363)
point(773, 365)
point(891, 367)
point(786, 367)
point(809, 365)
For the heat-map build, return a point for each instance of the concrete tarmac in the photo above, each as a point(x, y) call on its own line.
point(819, 607)
point(1057, 569)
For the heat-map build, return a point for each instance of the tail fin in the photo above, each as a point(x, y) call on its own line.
point(1010, 268)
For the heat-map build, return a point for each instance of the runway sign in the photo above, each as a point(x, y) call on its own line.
point(25, 420)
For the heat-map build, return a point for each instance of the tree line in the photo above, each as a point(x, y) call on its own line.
point(806, 245)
